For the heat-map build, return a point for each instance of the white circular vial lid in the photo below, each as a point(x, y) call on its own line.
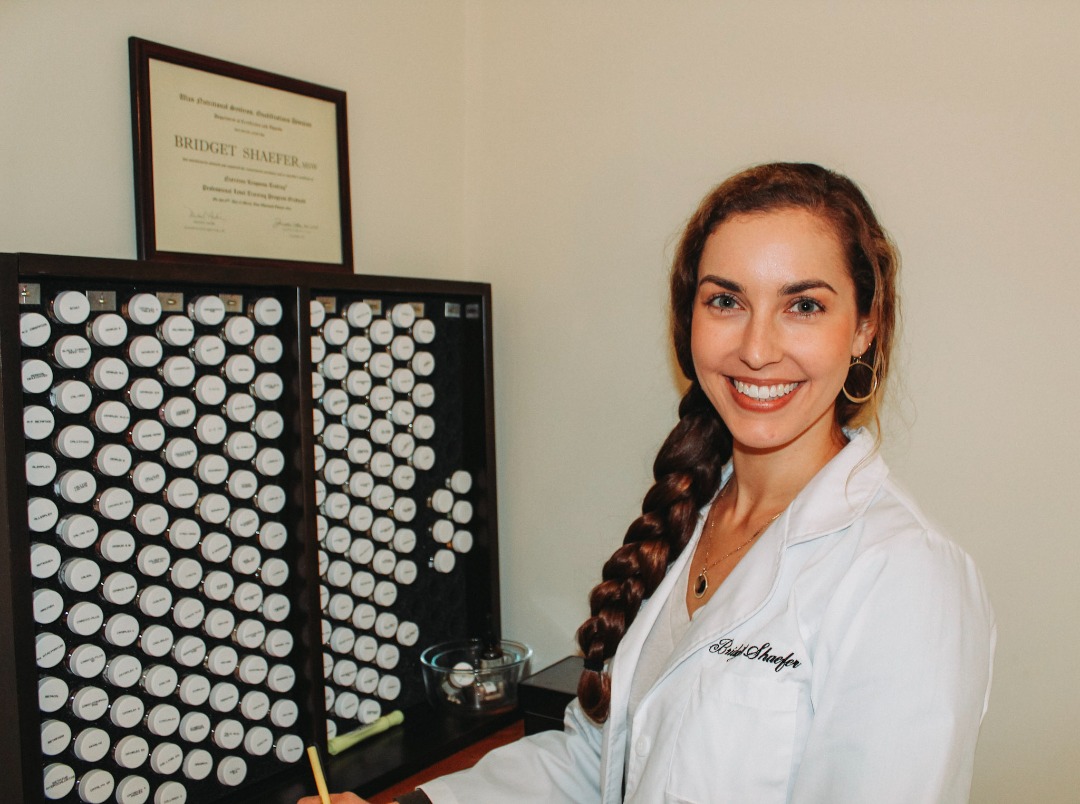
point(402, 413)
point(316, 313)
point(71, 396)
point(385, 593)
point(423, 364)
point(166, 758)
point(423, 331)
point(243, 523)
point(358, 314)
point(443, 561)
point(336, 471)
point(402, 348)
point(239, 446)
point(212, 469)
point(403, 315)
point(382, 498)
point(189, 651)
point(126, 711)
point(252, 670)
point(80, 574)
point(340, 607)
point(209, 310)
point(211, 429)
point(342, 639)
point(145, 351)
point(48, 606)
point(110, 374)
point(270, 499)
point(74, 441)
point(182, 492)
point(148, 477)
point(318, 349)
point(258, 741)
point(339, 573)
point(408, 633)
point(280, 678)
point(423, 457)
point(177, 330)
point(171, 793)
point(213, 508)
point(334, 366)
point(163, 720)
point(86, 661)
point(180, 453)
point(239, 330)
point(335, 331)
point(254, 705)
point(76, 486)
point(34, 329)
point(178, 371)
point(460, 482)
point(119, 588)
point(242, 484)
point(462, 542)
point(274, 572)
point(249, 634)
point(318, 424)
point(336, 505)
point(52, 694)
point(112, 460)
point(147, 435)
point(405, 572)
point(55, 737)
point(178, 412)
point(185, 534)
point(40, 468)
point(267, 386)
point(222, 660)
point(188, 612)
point(276, 608)
point(284, 713)
point(37, 376)
point(346, 705)
point(403, 445)
point(273, 535)
point(462, 512)
point(156, 640)
point(404, 540)
point(78, 530)
point(248, 596)
point(143, 308)
point(289, 748)
point(132, 790)
point(195, 690)
point(337, 539)
point(267, 349)
point(386, 624)
point(84, 618)
point(58, 778)
point(210, 390)
point(442, 501)
point(269, 424)
point(151, 519)
point(364, 616)
point(71, 307)
point(423, 395)
point(358, 383)
point(318, 385)
point(38, 423)
point(361, 551)
point(246, 559)
point(387, 656)
point(217, 586)
point(72, 351)
point(402, 380)
point(370, 711)
point(146, 393)
point(365, 650)
point(194, 727)
point(121, 630)
point(44, 560)
point(266, 311)
point(41, 514)
point(112, 417)
point(389, 688)
point(208, 350)
point(228, 734)
point(240, 408)
point(90, 703)
point(381, 398)
point(381, 331)
point(381, 365)
point(197, 765)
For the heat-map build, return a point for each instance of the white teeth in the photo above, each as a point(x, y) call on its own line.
point(764, 391)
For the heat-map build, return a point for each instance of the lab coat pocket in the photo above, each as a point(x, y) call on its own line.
point(736, 741)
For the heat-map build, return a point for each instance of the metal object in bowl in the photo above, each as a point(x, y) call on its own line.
point(471, 677)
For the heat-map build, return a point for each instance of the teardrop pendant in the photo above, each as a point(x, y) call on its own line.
point(702, 584)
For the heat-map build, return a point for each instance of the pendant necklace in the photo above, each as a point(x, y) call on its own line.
point(701, 585)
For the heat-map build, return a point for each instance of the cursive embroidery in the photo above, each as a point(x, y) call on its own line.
point(759, 653)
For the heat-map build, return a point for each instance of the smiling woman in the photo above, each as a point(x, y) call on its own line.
point(781, 623)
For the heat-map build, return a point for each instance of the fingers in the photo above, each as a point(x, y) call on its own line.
point(335, 798)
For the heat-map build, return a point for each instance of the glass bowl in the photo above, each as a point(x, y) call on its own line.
point(470, 677)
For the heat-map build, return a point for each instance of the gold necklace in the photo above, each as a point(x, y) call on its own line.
point(701, 585)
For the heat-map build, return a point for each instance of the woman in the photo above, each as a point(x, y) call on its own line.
point(781, 623)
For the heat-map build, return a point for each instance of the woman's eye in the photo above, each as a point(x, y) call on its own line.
point(723, 301)
point(806, 307)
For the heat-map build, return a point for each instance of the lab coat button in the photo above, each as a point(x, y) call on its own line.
point(641, 747)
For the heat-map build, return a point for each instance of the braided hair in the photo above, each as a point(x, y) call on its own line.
point(687, 469)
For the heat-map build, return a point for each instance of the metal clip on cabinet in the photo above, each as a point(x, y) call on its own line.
point(236, 507)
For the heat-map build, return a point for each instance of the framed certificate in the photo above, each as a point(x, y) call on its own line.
point(235, 165)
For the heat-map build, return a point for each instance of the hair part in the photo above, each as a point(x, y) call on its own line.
point(687, 468)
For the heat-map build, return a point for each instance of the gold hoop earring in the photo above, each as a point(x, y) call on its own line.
point(858, 400)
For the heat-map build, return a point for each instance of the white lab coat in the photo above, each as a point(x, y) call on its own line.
point(847, 658)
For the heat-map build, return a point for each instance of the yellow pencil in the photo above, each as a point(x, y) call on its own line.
point(316, 769)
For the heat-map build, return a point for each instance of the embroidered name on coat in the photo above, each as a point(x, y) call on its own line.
point(758, 653)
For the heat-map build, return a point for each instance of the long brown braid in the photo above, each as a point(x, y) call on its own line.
point(686, 472)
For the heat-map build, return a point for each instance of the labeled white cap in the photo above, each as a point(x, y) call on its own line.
point(84, 618)
point(289, 748)
point(280, 678)
point(210, 390)
point(209, 310)
point(143, 308)
point(185, 534)
point(147, 435)
point(34, 329)
point(166, 758)
point(181, 453)
point(90, 703)
point(239, 331)
point(40, 468)
point(58, 778)
point(208, 350)
point(358, 383)
point(86, 661)
point(112, 416)
point(71, 307)
point(121, 630)
point(239, 369)
point(443, 561)
point(74, 441)
point(270, 425)
point(423, 457)
point(37, 376)
point(267, 311)
point(163, 720)
point(267, 349)
point(267, 386)
point(178, 371)
point(423, 364)
point(423, 331)
point(48, 606)
point(53, 694)
point(402, 347)
point(380, 365)
point(177, 330)
point(108, 329)
point(41, 514)
point(113, 460)
point(145, 351)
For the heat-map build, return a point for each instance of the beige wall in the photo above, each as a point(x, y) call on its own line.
point(554, 148)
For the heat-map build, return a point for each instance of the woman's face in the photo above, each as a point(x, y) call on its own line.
point(774, 328)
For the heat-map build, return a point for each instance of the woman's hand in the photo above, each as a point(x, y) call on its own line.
point(335, 798)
